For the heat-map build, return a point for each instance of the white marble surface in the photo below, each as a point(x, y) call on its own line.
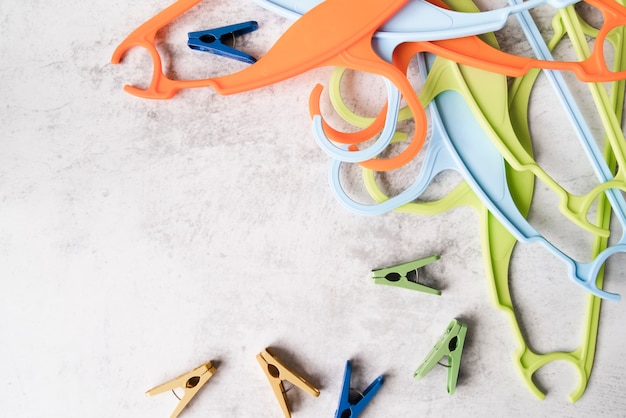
point(139, 239)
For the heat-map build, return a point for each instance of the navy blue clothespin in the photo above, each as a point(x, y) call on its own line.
point(213, 40)
point(348, 405)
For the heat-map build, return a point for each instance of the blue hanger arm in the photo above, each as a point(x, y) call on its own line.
point(419, 20)
point(483, 168)
point(492, 189)
point(379, 146)
point(583, 132)
point(437, 159)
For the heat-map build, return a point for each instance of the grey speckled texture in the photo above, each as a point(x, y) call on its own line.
point(140, 238)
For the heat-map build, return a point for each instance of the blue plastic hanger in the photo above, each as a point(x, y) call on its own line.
point(418, 20)
point(463, 142)
point(586, 139)
point(372, 151)
point(480, 163)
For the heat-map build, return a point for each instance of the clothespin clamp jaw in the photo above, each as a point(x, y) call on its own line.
point(354, 407)
point(190, 382)
point(276, 373)
point(405, 275)
point(214, 40)
point(450, 344)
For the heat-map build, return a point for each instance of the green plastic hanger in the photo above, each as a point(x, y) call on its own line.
point(574, 207)
point(528, 361)
point(498, 243)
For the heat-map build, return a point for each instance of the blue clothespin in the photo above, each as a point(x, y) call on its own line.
point(212, 40)
point(350, 407)
point(450, 345)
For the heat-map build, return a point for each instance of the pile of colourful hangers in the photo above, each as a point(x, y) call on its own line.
point(477, 122)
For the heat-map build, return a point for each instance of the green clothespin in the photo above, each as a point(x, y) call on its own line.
point(405, 275)
point(450, 344)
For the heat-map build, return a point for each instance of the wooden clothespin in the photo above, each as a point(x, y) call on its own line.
point(276, 373)
point(190, 382)
point(405, 275)
point(450, 344)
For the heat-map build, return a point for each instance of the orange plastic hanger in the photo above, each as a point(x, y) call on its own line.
point(475, 52)
point(347, 42)
point(144, 36)
point(296, 52)
point(322, 37)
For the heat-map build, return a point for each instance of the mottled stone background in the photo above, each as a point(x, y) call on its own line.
point(139, 239)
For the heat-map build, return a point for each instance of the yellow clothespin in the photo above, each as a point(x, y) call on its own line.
point(190, 382)
point(276, 373)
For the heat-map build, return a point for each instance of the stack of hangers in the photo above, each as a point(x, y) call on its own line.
point(478, 123)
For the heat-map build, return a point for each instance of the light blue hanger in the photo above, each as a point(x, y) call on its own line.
point(480, 164)
point(436, 160)
point(291, 9)
point(385, 138)
point(418, 20)
point(458, 142)
point(385, 44)
point(586, 139)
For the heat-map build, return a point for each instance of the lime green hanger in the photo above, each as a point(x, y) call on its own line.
point(498, 245)
point(574, 207)
point(528, 361)
point(497, 256)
